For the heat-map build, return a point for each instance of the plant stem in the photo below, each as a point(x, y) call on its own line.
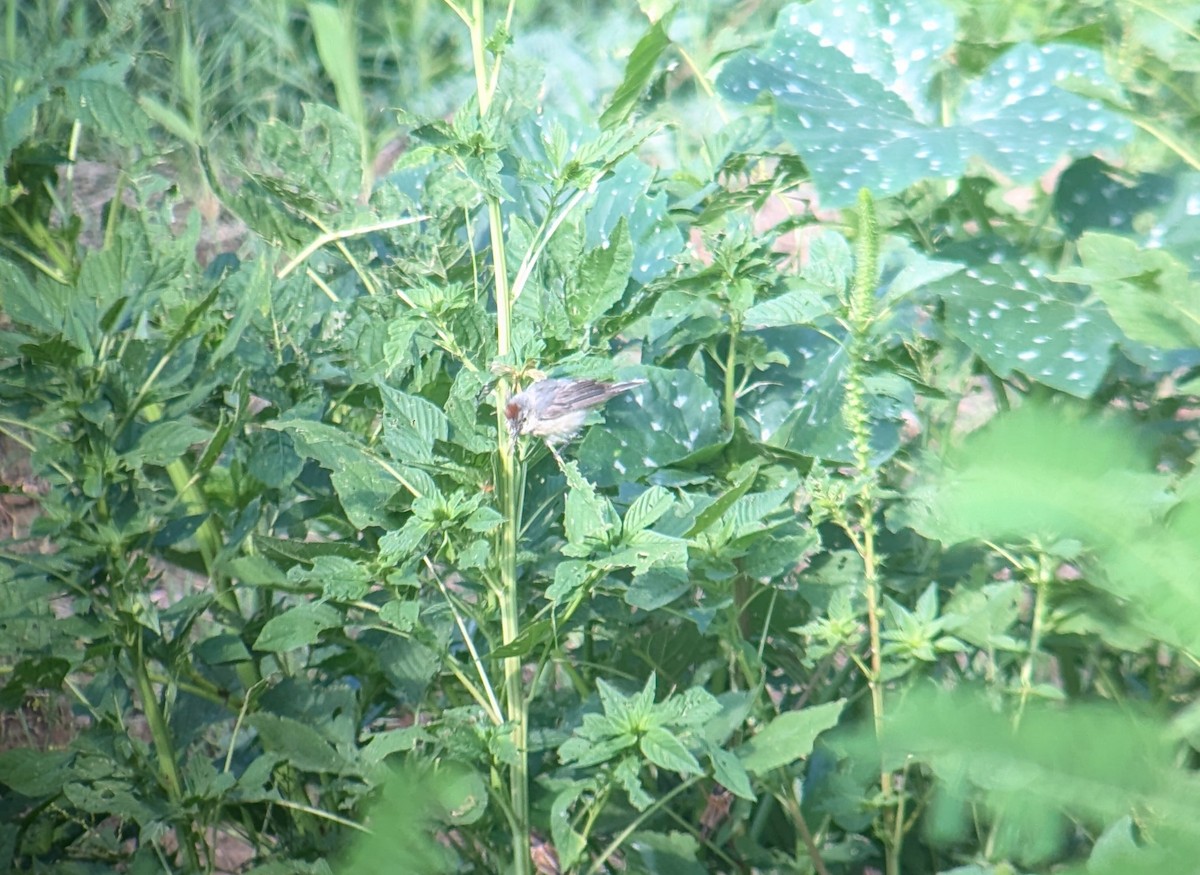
point(510, 487)
point(164, 749)
point(859, 316)
point(728, 404)
point(806, 836)
point(1035, 642)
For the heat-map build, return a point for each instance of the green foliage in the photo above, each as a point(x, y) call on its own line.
point(887, 564)
point(851, 89)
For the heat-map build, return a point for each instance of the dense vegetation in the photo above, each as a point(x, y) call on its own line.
point(890, 565)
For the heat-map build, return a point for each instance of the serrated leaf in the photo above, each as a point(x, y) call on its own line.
point(400, 614)
point(849, 85)
point(657, 588)
point(638, 71)
point(667, 853)
point(603, 275)
point(300, 745)
point(300, 626)
point(646, 509)
point(35, 773)
point(568, 841)
point(590, 519)
point(166, 442)
point(110, 107)
point(730, 773)
point(339, 578)
point(363, 483)
point(715, 511)
point(272, 459)
point(628, 775)
point(788, 737)
point(411, 425)
point(797, 307)
point(662, 748)
point(569, 575)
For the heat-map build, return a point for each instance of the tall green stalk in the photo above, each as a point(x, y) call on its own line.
point(860, 314)
point(510, 488)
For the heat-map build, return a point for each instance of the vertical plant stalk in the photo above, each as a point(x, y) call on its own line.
point(860, 313)
point(510, 488)
point(164, 748)
point(729, 402)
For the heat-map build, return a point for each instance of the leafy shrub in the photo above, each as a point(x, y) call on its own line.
point(777, 610)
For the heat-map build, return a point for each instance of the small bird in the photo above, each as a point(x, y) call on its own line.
point(555, 410)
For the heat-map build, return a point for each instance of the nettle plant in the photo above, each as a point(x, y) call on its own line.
point(294, 564)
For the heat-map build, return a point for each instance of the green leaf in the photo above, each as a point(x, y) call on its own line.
point(111, 107)
point(799, 307)
point(590, 519)
point(340, 579)
point(730, 773)
point(628, 775)
point(652, 427)
point(798, 405)
point(1016, 321)
point(411, 425)
point(657, 588)
point(532, 635)
point(715, 511)
point(1084, 760)
point(849, 84)
point(363, 483)
point(994, 486)
point(166, 442)
point(667, 853)
point(638, 71)
point(35, 773)
point(300, 745)
point(666, 751)
point(401, 614)
point(603, 276)
point(626, 195)
point(788, 737)
point(334, 29)
point(568, 841)
point(300, 626)
point(646, 509)
point(569, 575)
point(273, 459)
point(1147, 291)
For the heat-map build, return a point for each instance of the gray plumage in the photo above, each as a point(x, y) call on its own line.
point(556, 409)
